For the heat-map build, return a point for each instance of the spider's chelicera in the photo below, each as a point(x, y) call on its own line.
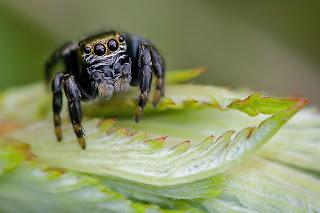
point(99, 66)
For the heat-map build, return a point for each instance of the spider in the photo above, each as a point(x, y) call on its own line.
point(99, 66)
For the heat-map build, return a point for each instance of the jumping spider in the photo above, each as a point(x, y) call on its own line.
point(99, 66)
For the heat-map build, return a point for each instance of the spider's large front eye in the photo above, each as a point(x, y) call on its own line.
point(99, 49)
point(112, 45)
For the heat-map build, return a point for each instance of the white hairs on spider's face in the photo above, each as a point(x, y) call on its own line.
point(109, 59)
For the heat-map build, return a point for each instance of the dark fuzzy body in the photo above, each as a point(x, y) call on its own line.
point(99, 66)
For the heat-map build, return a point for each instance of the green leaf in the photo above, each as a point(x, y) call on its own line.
point(298, 144)
point(130, 155)
point(181, 76)
point(288, 181)
point(30, 187)
point(180, 155)
point(263, 186)
point(10, 160)
point(256, 104)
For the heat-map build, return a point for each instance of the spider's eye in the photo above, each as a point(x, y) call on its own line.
point(121, 38)
point(99, 49)
point(87, 50)
point(112, 45)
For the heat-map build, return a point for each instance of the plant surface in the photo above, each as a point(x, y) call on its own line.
point(203, 149)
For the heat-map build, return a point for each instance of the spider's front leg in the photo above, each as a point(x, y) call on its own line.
point(159, 70)
point(73, 94)
point(149, 60)
point(56, 57)
point(145, 75)
point(57, 103)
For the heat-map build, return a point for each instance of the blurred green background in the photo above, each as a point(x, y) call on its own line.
point(265, 45)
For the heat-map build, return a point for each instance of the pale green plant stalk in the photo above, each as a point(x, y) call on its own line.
point(202, 150)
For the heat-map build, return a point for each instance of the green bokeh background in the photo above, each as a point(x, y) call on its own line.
point(265, 45)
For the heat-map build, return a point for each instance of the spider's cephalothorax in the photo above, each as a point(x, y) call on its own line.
point(97, 67)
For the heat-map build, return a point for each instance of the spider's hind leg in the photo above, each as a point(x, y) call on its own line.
point(57, 56)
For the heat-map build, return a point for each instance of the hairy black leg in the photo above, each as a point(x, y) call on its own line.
point(73, 94)
point(56, 88)
point(145, 75)
point(159, 71)
point(56, 57)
